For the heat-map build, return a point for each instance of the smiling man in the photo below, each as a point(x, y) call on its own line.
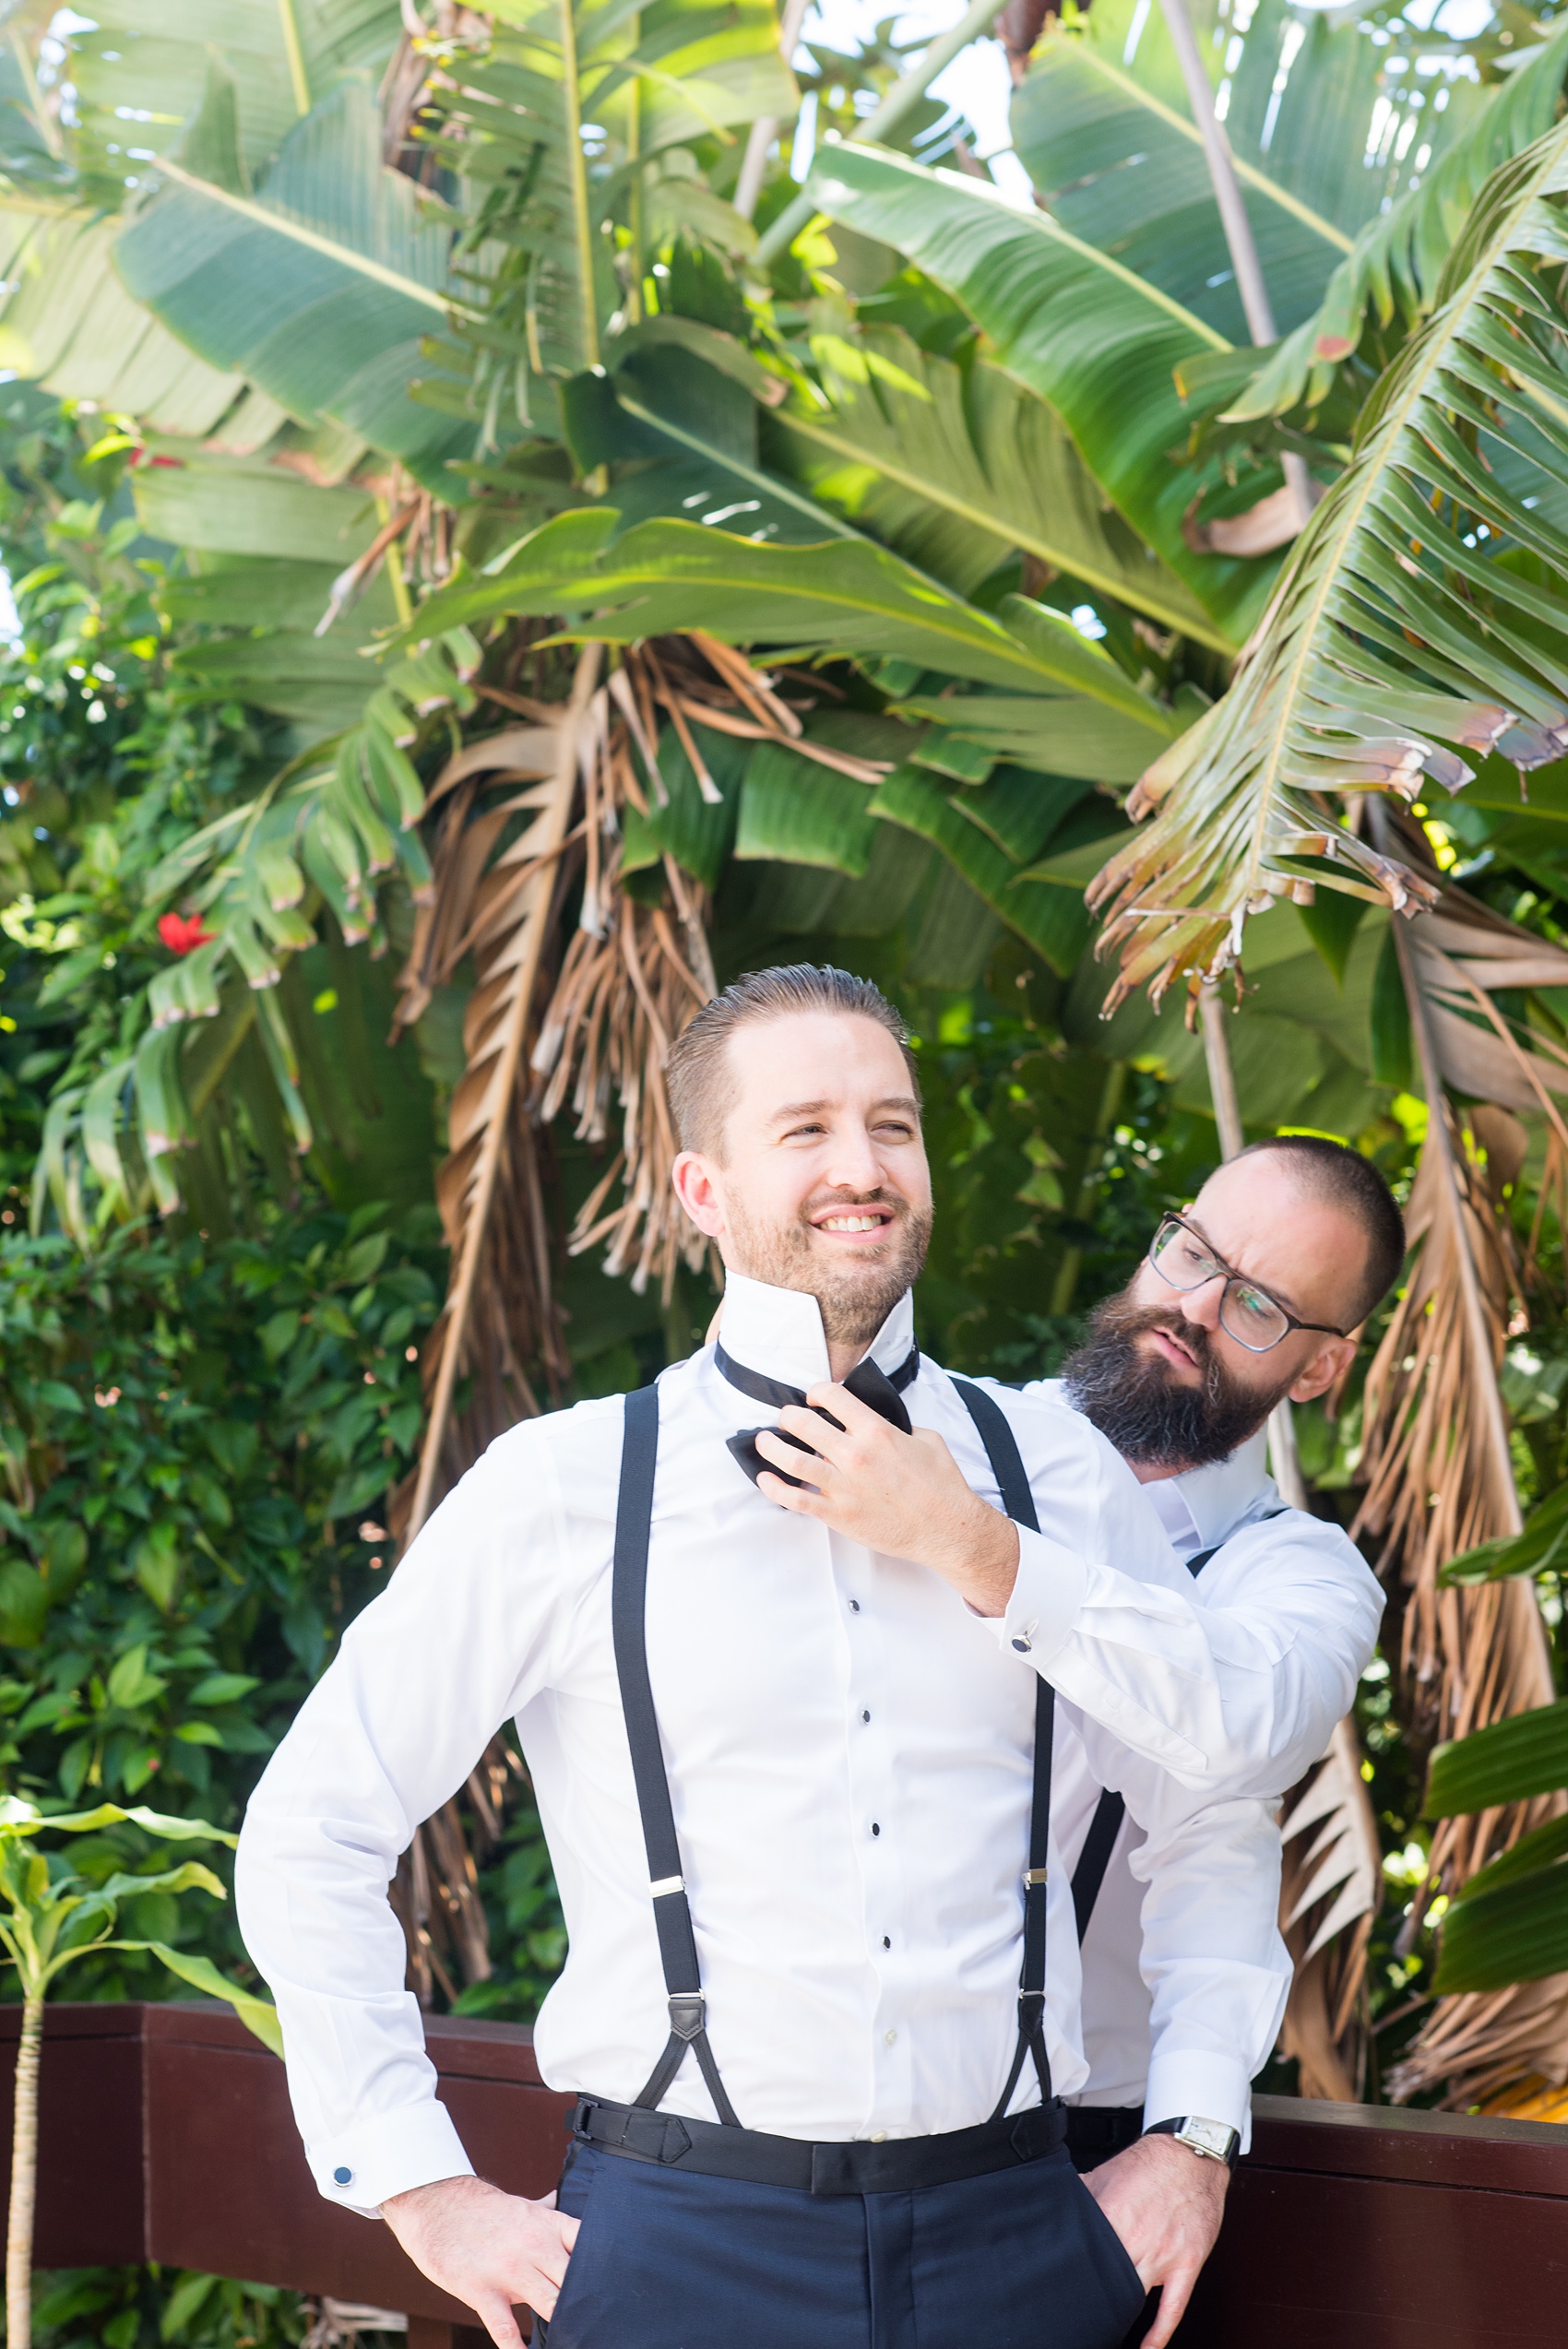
point(820, 2002)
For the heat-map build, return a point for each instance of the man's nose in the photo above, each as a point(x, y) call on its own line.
point(1202, 1305)
point(855, 1165)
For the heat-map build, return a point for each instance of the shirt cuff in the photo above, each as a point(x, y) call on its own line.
point(1047, 1596)
point(1187, 2084)
point(367, 2164)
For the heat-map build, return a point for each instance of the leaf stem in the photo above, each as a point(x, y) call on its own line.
point(576, 173)
point(24, 2177)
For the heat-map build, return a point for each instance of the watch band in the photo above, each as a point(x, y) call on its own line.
point(1215, 2140)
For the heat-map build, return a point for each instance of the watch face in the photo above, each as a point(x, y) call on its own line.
point(1212, 2136)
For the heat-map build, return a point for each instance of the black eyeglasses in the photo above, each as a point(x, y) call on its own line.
point(1247, 1313)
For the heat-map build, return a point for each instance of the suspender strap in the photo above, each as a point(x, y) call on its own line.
point(1008, 1467)
point(1109, 1811)
point(672, 1911)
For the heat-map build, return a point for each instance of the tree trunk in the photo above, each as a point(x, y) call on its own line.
point(24, 2179)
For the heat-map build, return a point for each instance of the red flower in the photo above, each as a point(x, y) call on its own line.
point(182, 933)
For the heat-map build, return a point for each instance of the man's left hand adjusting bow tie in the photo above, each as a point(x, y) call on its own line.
point(865, 1383)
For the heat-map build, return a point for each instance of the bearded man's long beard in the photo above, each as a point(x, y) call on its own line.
point(855, 1298)
point(1137, 1403)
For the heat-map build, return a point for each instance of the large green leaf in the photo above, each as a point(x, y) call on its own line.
point(141, 66)
point(319, 287)
point(852, 598)
point(1095, 342)
point(68, 323)
point(1517, 1932)
point(1507, 1761)
point(957, 467)
point(515, 112)
point(1393, 630)
point(1533, 1551)
point(1325, 124)
point(1397, 262)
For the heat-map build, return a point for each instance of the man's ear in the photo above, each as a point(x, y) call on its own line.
point(1330, 1361)
point(692, 1176)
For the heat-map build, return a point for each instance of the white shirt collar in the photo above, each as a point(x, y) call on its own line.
point(1219, 1499)
point(779, 1333)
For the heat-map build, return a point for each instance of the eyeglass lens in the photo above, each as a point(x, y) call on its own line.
point(1251, 1318)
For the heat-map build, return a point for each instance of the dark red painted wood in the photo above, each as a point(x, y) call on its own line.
point(166, 2134)
point(89, 2135)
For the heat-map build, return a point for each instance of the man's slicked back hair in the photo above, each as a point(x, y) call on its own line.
point(701, 1085)
point(1331, 1171)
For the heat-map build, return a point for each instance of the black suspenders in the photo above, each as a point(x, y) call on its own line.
point(672, 1911)
point(1110, 1810)
point(1008, 1467)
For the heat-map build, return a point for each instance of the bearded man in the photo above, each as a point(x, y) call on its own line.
point(1245, 1299)
point(819, 2007)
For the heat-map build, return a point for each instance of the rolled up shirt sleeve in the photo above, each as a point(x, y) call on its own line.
point(1235, 1683)
point(369, 1756)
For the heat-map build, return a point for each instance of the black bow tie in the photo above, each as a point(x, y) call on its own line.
point(868, 1385)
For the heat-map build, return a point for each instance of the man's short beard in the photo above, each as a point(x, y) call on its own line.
point(855, 1299)
point(1135, 1400)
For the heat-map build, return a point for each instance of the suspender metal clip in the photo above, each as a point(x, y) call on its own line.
point(688, 2015)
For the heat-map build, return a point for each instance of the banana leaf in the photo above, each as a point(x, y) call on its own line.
point(67, 322)
point(141, 64)
point(1324, 135)
point(319, 287)
point(1396, 265)
point(1074, 326)
point(956, 467)
point(1394, 633)
point(850, 597)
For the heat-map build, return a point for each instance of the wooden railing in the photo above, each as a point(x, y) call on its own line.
point(165, 2134)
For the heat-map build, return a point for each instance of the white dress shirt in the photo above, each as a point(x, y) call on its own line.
point(1302, 1592)
point(849, 1757)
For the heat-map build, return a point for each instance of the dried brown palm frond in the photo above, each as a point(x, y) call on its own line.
point(499, 908)
point(1436, 1457)
point(519, 816)
point(1330, 1894)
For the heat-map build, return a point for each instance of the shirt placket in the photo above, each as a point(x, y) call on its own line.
point(877, 1827)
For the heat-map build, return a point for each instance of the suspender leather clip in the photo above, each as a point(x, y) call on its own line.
point(688, 2015)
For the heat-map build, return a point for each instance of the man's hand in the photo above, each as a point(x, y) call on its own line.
point(902, 1494)
point(492, 2250)
point(1166, 2202)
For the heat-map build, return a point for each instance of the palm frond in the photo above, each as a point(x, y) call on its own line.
point(1393, 633)
point(499, 1287)
point(1330, 1894)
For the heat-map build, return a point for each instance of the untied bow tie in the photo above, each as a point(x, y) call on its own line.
point(869, 1385)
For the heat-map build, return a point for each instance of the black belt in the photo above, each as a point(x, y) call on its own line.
point(897, 2165)
point(1103, 2130)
